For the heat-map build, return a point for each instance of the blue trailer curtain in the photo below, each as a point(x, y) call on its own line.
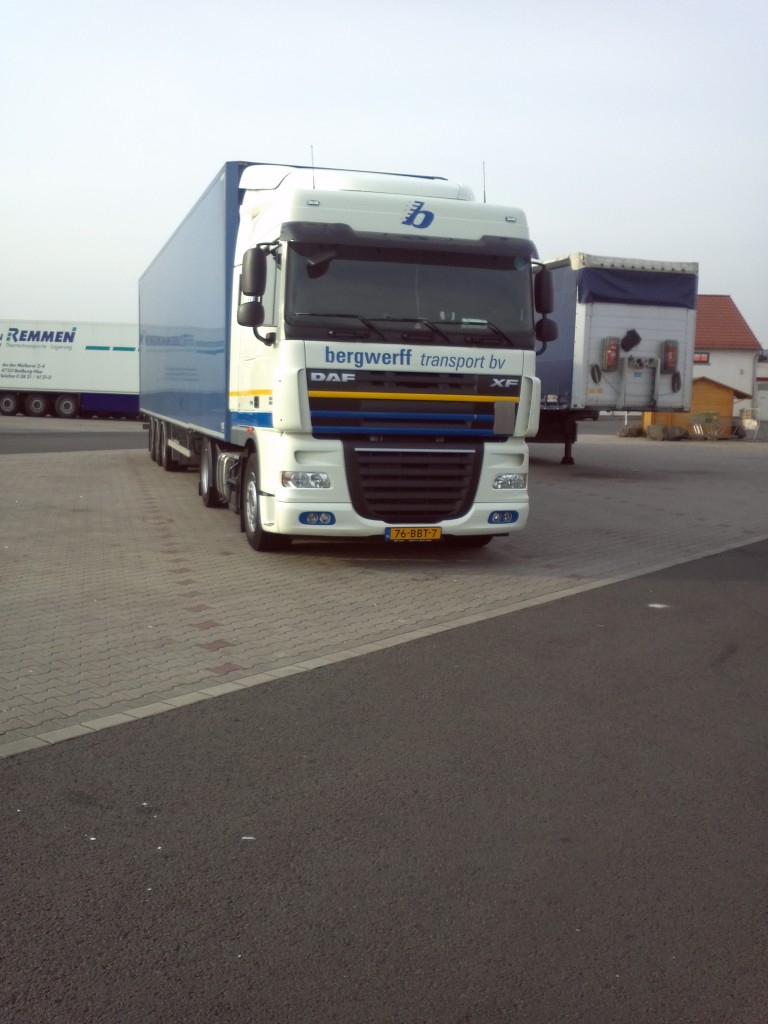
point(637, 287)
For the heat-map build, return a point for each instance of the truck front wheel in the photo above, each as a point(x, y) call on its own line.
point(258, 538)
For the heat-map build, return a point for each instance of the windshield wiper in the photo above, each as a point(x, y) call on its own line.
point(460, 327)
point(348, 316)
point(491, 327)
point(431, 327)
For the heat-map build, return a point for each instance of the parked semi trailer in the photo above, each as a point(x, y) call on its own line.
point(627, 335)
point(68, 369)
point(346, 354)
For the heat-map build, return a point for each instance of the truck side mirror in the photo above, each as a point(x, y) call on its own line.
point(250, 314)
point(253, 279)
point(544, 291)
point(546, 330)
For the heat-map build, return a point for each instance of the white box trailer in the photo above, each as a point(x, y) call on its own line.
point(626, 341)
point(69, 369)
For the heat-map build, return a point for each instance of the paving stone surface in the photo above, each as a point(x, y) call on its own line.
point(124, 596)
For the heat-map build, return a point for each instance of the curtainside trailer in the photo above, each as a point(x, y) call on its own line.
point(627, 335)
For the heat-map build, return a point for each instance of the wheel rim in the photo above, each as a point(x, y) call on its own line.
point(252, 505)
point(66, 407)
point(205, 471)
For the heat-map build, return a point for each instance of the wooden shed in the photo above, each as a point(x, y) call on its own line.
point(711, 401)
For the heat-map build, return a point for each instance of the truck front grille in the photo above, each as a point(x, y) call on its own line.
point(411, 484)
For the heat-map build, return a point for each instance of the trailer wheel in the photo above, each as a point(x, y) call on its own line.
point(207, 487)
point(151, 439)
point(166, 452)
point(258, 538)
point(9, 403)
point(36, 405)
point(66, 406)
point(157, 437)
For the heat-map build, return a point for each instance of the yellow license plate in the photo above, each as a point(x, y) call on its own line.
point(413, 533)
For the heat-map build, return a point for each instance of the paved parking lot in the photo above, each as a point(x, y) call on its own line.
point(125, 597)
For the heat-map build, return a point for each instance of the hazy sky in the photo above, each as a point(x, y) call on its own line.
point(622, 129)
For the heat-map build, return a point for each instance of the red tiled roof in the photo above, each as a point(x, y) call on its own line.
point(720, 325)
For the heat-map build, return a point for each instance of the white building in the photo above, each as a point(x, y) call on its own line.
point(727, 353)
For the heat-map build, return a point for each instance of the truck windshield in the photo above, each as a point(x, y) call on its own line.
point(371, 292)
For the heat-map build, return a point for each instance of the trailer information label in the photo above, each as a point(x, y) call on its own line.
point(24, 371)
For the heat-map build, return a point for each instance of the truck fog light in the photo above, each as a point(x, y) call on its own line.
point(501, 517)
point(507, 481)
point(317, 519)
point(303, 479)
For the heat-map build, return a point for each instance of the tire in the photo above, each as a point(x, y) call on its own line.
point(166, 452)
point(258, 538)
point(157, 435)
point(151, 447)
point(66, 406)
point(9, 403)
point(207, 487)
point(36, 405)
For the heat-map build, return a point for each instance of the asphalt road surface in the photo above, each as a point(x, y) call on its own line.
point(26, 434)
point(557, 815)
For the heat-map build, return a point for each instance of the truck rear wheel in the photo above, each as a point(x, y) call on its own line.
point(36, 405)
point(9, 403)
point(258, 538)
point(66, 406)
point(208, 489)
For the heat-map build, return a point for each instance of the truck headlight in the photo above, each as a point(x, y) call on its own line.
point(301, 479)
point(509, 481)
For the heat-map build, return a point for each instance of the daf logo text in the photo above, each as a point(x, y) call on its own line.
point(318, 377)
